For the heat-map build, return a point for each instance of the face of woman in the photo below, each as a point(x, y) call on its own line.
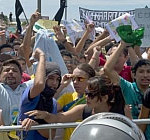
point(92, 98)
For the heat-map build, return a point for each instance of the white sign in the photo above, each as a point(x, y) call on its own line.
point(74, 30)
point(142, 17)
point(125, 19)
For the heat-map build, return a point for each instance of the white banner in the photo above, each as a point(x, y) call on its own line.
point(142, 17)
point(101, 18)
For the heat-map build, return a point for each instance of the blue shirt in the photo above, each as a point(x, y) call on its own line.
point(28, 105)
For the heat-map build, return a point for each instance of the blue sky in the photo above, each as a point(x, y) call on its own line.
point(50, 7)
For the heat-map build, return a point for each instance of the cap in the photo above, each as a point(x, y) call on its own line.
point(52, 68)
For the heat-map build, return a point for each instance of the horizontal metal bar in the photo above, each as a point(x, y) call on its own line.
point(59, 125)
point(44, 126)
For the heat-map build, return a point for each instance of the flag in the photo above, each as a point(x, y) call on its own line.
point(60, 12)
point(18, 11)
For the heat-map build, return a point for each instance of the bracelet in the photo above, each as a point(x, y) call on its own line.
point(64, 41)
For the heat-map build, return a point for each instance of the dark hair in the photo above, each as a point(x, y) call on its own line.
point(11, 61)
point(65, 53)
point(140, 63)
point(4, 57)
point(102, 86)
point(5, 46)
point(82, 56)
point(87, 68)
point(16, 43)
point(60, 45)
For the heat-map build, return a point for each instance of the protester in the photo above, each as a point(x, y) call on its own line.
point(134, 93)
point(40, 95)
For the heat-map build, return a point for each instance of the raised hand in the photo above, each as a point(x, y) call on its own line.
point(35, 17)
point(97, 50)
point(58, 33)
point(66, 79)
point(36, 55)
point(90, 27)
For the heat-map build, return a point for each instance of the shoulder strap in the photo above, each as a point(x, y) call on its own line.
point(86, 112)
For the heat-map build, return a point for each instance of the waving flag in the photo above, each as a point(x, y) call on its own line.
point(18, 11)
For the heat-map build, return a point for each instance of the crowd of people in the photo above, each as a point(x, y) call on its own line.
point(102, 76)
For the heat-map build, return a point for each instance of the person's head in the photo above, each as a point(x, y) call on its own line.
point(4, 57)
point(68, 59)
point(11, 73)
point(141, 71)
point(16, 45)
point(6, 49)
point(22, 62)
point(53, 75)
point(82, 58)
point(99, 92)
point(81, 74)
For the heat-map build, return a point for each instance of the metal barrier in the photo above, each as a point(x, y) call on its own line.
point(56, 125)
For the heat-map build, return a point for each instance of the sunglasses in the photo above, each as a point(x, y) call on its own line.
point(12, 53)
point(79, 79)
point(90, 94)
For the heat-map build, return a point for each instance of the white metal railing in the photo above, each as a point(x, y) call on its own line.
point(56, 125)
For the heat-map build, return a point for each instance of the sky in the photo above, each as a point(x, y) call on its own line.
point(50, 7)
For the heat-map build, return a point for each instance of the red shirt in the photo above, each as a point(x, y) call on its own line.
point(25, 77)
point(125, 73)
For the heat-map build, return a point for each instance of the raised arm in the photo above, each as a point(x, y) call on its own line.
point(101, 43)
point(66, 79)
point(110, 64)
point(133, 57)
point(103, 35)
point(26, 45)
point(94, 61)
point(39, 81)
point(78, 48)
